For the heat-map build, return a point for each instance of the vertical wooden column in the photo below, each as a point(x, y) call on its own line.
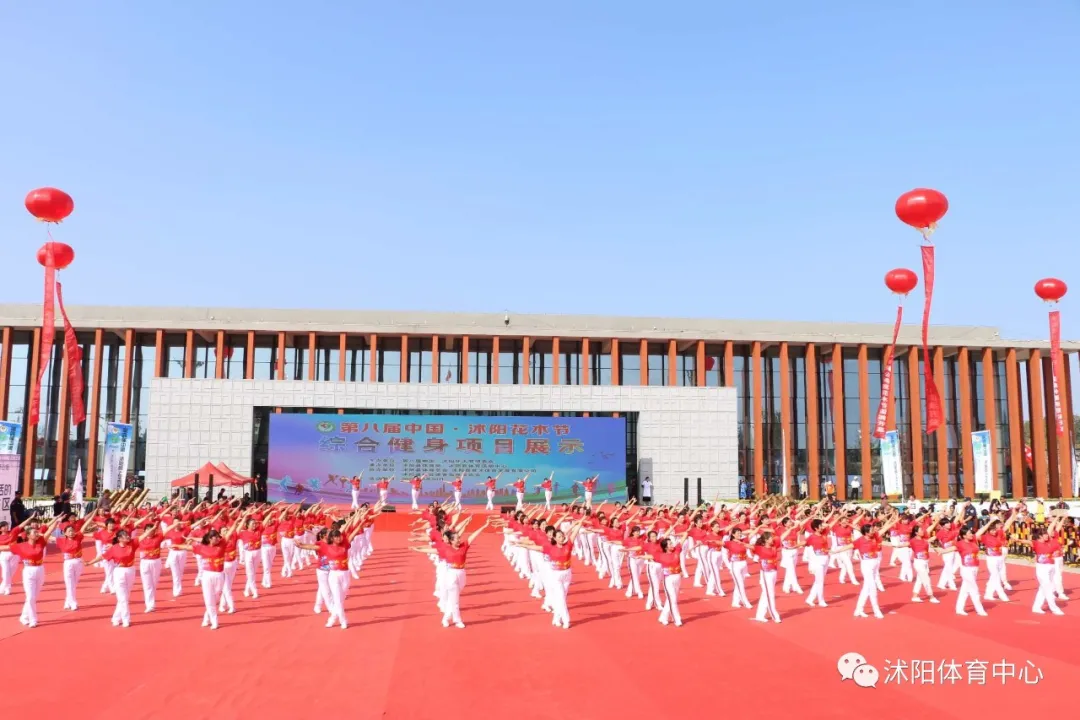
point(526, 360)
point(699, 364)
point(494, 362)
point(159, 353)
point(729, 364)
point(94, 405)
point(280, 370)
point(643, 363)
point(990, 413)
point(249, 357)
point(672, 357)
point(963, 364)
point(30, 432)
point(1065, 447)
point(313, 356)
point(1053, 488)
point(785, 412)
point(464, 358)
point(759, 430)
point(944, 491)
point(404, 369)
point(5, 370)
point(62, 427)
point(1016, 436)
point(616, 359)
point(915, 413)
point(1038, 421)
point(343, 353)
point(435, 371)
point(865, 459)
point(189, 354)
point(585, 363)
point(373, 357)
point(812, 429)
point(839, 429)
point(129, 359)
point(556, 362)
point(219, 355)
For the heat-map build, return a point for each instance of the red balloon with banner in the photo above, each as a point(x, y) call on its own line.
point(1051, 290)
point(53, 206)
point(900, 281)
point(923, 209)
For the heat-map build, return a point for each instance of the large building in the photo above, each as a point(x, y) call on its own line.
point(730, 406)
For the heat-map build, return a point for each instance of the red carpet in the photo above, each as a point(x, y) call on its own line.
point(274, 658)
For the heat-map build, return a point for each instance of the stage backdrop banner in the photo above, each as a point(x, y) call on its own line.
point(9, 481)
point(117, 456)
point(312, 458)
point(10, 435)
point(984, 468)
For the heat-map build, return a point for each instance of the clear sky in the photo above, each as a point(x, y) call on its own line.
point(697, 158)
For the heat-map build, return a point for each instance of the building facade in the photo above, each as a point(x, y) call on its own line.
point(805, 393)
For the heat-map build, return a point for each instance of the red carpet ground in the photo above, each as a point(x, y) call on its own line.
point(274, 658)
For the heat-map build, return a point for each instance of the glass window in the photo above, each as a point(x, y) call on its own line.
point(511, 361)
point(657, 357)
point(541, 363)
point(388, 351)
point(629, 363)
point(600, 362)
point(570, 368)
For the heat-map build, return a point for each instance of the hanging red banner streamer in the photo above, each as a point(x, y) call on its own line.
point(1055, 363)
point(933, 399)
point(48, 334)
point(73, 357)
point(881, 424)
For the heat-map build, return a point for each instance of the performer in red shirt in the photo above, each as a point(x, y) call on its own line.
point(966, 550)
point(588, 485)
point(8, 560)
point(384, 488)
point(919, 542)
point(947, 536)
point(149, 547)
point(869, 546)
point(768, 556)
point(251, 537)
point(669, 559)
point(122, 553)
point(454, 552)
point(212, 550)
point(268, 548)
point(519, 490)
point(1044, 550)
point(818, 560)
point(736, 552)
point(31, 551)
point(789, 554)
point(994, 541)
point(489, 486)
point(357, 484)
point(70, 545)
point(456, 484)
point(417, 484)
point(547, 486)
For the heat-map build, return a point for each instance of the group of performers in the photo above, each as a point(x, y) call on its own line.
point(223, 536)
point(646, 552)
point(457, 485)
point(659, 547)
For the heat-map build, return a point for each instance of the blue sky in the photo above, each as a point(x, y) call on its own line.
point(701, 159)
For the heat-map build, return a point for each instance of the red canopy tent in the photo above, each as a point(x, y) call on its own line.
point(222, 478)
point(235, 478)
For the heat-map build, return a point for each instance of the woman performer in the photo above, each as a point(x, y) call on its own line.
point(714, 559)
point(456, 484)
point(336, 552)
point(176, 559)
point(650, 549)
point(947, 535)
point(767, 555)
point(789, 554)
point(869, 547)
point(816, 544)
point(8, 560)
point(1056, 538)
point(633, 545)
point(251, 537)
point(383, 487)
point(357, 484)
point(122, 554)
point(735, 550)
point(70, 545)
point(149, 546)
point(489, 486)
point(588, 485)
point(1044, 550)
point(230, 542)
point(212, 550)
point(967, 550)
point(993, 539)
point(558, 551)
point(546, 486)
point(669, 560)
point(31, 552)
point(842, 531)
point(919, 542)
point(454, 552)
point(417, 485)
point(268, 548)
point(103, 538)
point(611, 545)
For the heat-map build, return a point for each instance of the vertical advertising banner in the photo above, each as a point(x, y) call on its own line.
point(117, 455)
point(10, 435)
point(981, 462)
point(891, 472)
point(312, 458)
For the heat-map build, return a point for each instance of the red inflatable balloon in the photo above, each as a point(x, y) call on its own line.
point(1051, 289)
point(922, 208)
point(62, 255)
point(49, 204)
point(901, 280)
point(710, 363)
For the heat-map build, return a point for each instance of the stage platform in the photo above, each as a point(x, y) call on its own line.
point(403, 516)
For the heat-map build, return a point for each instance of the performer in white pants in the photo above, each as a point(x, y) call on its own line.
point(993, 539)
point(1043, 546)
point(768, 557)
point(31, 552)
point(383, 487)
point(417, 484)
point(268, 550)
point(816, 544)
point(588, 486)
point(670, 561)
point(123, 554)
point(251, 537)
point(869, 547)
point(519, 491)
point(454, 552)
point(357, 484)
point(8, 560)
point(736, 551)
point(966, 549)
point(547, 485)
point(149, 547)
point(456, 484)
point(947, 536)
point(70, 546)
point(212, 550)
point(920, 548)
point(789, 556)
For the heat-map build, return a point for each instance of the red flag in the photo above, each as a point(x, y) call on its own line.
point(933, 399)
point(48, 334)
point(73, 356)
point(882, 421)
point(1055, 362)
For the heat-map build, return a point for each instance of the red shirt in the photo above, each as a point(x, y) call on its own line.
point(252, 539)
point(269, 534)
point(230, 548)
point(589, 485)
point(32, 554)
point(817, 543)
point(842, 533)
point(455, 556)
point(736, 550)
point(337, 556)
point(613, 534)
point(869, 546)
point(355, 483)
point(560, 555)
point(993, 544)
point(104, 536)
point(969, 553)
point(670, 561)
point(921, 548)
point(417, 483)
point(768, 557)
point(947, 537)
point(650, 548)
point(150, 548)
point(214, 555)
point(490, 483)
point(519, 485)
point(1044, 552)
point(70, 547)
point(383, 484)
point(456, 484)
point(122, 555)
point(546, 485)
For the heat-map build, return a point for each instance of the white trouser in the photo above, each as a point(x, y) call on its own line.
point(1044, 575)
point(415, 499)
point(520, 500)
point(457, 496)
point(175, 562)
point(788, 558)
point(251, 571)
point(588, 498)
point(490, 500)
point(123, 580)
point(672, 581)
point(655, 574)
point(33, 579)
point(703, 571)
point(453, 584)
point(355, 498)
point(615, 554)
point(950, 563)
point(969, 588)
point(322, 594)
point(107, 584)
point(994, 587)
point(213, 582)
point(1059, 577)
point(288, 553)
point(739, 574)
point(637, 566)
point(383, 494)
point(73, 568)
point(149, 573)
point(558, 587)
point(269, 552)
point(818, 567)
point(847, 570)
point(547, 499)
point(922, 578)
point(869, 569)
point(766, 606)
point(227, 604)
point(337, 582)
point(8, 562)
point(905, 554)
